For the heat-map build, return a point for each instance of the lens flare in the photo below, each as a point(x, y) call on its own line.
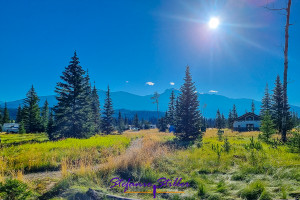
point(213, 22)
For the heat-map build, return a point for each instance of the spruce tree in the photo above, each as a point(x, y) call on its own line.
point(223, 121)
point(45, 115)
point(126, 123)
point(177, 116)
point(96, 110)
point(155, 99)
point(19, 115)
point(218, 120)
point(50, 128)
point(6, 118)
point(31, 112)
point(276, 108)
point(21, 127)
point(1, 118)
point(121, 126)
point(136, 122)
point(230, 120)
point(188, 110)
point(171, 110)
point(266, 102)
point(267, 127)
point(73, 110)
point(252, 107)
point(162, 124)
point(234, 113)
point(107, 118)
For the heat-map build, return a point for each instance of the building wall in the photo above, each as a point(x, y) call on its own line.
point(242, 125)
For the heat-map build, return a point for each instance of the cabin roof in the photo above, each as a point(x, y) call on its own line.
point(248, 114)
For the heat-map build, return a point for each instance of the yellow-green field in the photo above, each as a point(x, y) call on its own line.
point(247, 171)
point(9, 139)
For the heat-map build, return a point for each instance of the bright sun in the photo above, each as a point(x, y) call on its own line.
point(214, 22)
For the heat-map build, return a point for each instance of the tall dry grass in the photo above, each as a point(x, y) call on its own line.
point(140, 154)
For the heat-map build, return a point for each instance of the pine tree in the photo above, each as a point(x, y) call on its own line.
point(96, 110)
point(31, 112)
point(107, 118)
point(252, 107)
point(188, 110)
point(234, 113)
point(177, 116)
point(230, 120)
point(218, 120)
point(121, 126)
point(162, 123)
point(171, 110)
point(267, 127)
point(155, 99)
point(1, 118)
point(126, 123)
point(19, 116)
point(276, 108)
point(73, 110)
point(21, 127)
point(50, 129)
point(45, 115)
point(6, 118)
point(223, 121)
point(136, 122)
point(266, 102)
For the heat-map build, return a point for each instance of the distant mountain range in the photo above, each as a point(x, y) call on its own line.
point(131, 103)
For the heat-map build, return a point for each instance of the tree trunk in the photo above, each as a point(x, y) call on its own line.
point(285, 103)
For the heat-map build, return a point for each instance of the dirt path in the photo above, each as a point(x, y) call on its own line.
point(57, 174)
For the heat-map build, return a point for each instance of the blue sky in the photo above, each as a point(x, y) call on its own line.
point(128, 43)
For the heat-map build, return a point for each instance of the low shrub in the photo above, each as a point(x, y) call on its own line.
point(13, 189)
point(252, 191)
point(239, 177)
point(294, 142)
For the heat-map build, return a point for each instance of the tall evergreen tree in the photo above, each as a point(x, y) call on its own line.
point(45, 115)
point(171, 110)
point(177, 115)
point(22, 127)
point(6, 118)
point(155, 99)
point(31, 112)
point(1, 118)
point(73, 110)
point(51, 128)
point(276, 108)
point(218, 120)
point(266, 102)
point(252, 107)
point(126, 122)
point(267, 127)
point(136, 122)
point(188, 110)
point(107, 118)
point(162, 123)
point(121, 126)
point(96, 110)
point(234, 113)
point(230, 120)
point(223, 121)
point(19, 116)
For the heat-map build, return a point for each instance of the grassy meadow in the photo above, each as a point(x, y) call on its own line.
point(244, 168)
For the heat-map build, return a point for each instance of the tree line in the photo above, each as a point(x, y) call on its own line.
point(77, 112)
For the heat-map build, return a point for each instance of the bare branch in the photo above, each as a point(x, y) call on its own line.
point(274, 9)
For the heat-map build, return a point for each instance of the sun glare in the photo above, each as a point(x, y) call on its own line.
point(214, 22)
